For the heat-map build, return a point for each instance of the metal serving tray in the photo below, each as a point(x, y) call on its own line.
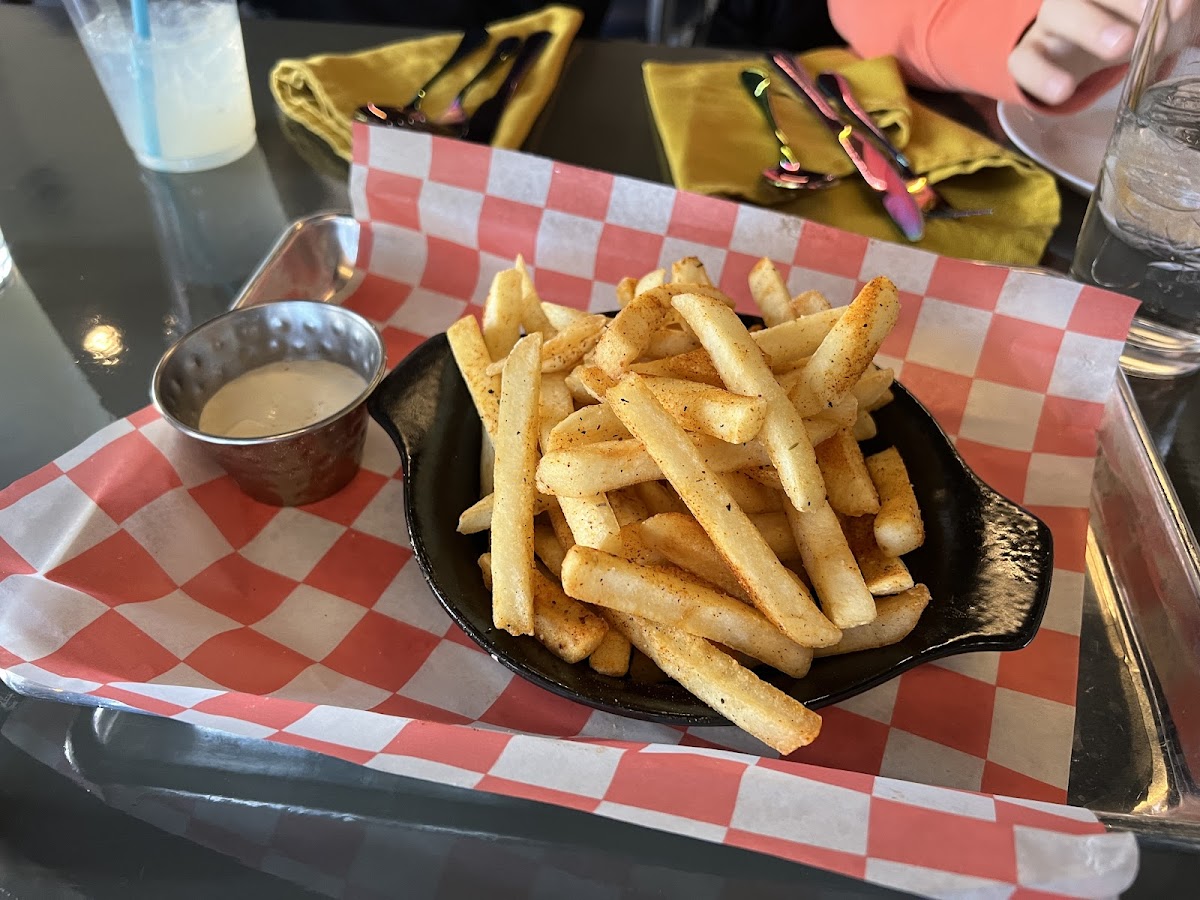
point(1137, 729)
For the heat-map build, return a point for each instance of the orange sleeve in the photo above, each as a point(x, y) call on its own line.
point(954, 45)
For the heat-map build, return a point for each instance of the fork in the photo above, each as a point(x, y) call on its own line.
point(410, 114)
point(837, 90)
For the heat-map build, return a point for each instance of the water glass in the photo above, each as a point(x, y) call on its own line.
point(174, 72)
point(1141, 234)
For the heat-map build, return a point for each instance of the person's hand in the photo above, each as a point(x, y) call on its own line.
point(1072, 39)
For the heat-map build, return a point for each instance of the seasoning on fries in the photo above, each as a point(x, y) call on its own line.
point(671, 489)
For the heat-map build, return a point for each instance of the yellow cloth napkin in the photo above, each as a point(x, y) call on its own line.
point(716, 142)
point(322, 92)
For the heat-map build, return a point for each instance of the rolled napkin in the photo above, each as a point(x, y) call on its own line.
point(717, 143)
point(322, 92)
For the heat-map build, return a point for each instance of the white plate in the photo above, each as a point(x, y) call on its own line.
point(1072, 147)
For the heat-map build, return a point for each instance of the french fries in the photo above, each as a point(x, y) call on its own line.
point(516, 465)
point(740, 362)
point(848, 484)
point(502, 313)
point(669, 597)
point(569, 629)
point(667, 490)
point(831, 566)
point(896, 618)
point(849, 347)
point(782, 601)
point(883, 574)
point(770, 293)
point(716, 679)
point(471, 354)
point(612, 656)
point(699, 407)
point(898, 525)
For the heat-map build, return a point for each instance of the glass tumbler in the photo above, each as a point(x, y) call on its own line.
point(1141, 234)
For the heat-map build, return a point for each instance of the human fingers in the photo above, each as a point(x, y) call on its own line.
point(1037, 76)
point(1104, 33)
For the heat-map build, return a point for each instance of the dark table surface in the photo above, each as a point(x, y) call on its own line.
point(113, 263)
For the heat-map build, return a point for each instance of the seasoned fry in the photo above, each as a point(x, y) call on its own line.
point(847, 482)
point(691, 366)
point(562, 528)
point(883, 400)
point(665, 292)
point(533, 316)
point(670, 597)
point(561, 316)
point(659, 497)
point(516, 466)
point(788, 344)
point(681, 540)
point(819, 429)
point(715, 411)
point(751, 495)
point(669, 342)
point(689, 270)
point(579, 392)
point(593, 380)
point(502, 312)
point(554, 405)
point(566, 348)
point(739, 360)
point(770, 293)
point(848, 348)
point(608, 465)
point(478, 516)
point(773, 717)
point(626, 506)
point(780, 599)
point(629, 544)
point(766, 476)
point(864, 427)
point(844, 412)
point(873, 384)
point(589, 425)
point(547, 548)
point(808, 302)
point(828, 561)
point(487, 462)
point(898, 525)
point(629, 333)
point(650, 280)
point(612, 656)
point(471, 355)
point(883, 574)
point(626, 291)
point(567, 627)
point(775, 530)
point(591, 518)
point(897, 617)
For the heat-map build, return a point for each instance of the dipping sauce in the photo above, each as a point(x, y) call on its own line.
point(280, 397)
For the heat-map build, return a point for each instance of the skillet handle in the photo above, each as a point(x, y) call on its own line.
point(406, 403)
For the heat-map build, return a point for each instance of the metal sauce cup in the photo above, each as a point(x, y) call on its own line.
point(296, 467)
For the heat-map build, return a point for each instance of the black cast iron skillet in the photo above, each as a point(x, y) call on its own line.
point(986, 561)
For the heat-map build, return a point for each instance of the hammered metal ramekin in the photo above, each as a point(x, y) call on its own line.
point(297, 467)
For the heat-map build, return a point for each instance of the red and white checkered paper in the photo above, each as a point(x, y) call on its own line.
point(133, 570)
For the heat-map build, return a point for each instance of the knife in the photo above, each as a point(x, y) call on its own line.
point(879, 172)
point(836, 89)
point(482, 125)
